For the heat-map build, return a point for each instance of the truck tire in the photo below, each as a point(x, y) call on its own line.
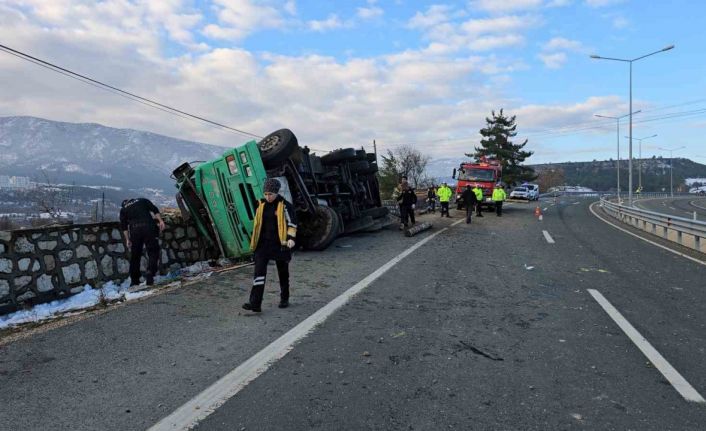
point(360, 166)
point(358, 225)
point(376, 212)
point(338, 156)
point(277, 147)
point(323, 231)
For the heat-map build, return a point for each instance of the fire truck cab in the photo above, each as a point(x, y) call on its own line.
point(485, 173)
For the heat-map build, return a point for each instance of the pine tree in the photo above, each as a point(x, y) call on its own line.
point(496, 143)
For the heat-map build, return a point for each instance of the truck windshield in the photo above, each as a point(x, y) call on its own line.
point(475, 174)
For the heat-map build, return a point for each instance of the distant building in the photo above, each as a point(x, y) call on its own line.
point(13, 182)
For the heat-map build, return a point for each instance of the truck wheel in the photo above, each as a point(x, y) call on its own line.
point(360, 224)
point(277, 147)
point(338, 156)
point(323, 229)
point(360, 166)
point(376, 212)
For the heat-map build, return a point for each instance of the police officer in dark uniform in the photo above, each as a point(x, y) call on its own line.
point(470, 201)
point(274, 232)
point(137, 220)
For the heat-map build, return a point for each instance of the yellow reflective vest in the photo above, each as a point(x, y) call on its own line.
point(286, 222)
point(499, 194)
point(479, 193)
point(444, 193)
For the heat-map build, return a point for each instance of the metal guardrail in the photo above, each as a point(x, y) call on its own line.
point(681, 230)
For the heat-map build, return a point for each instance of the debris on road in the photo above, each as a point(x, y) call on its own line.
point(529, 268)
point(421, 227)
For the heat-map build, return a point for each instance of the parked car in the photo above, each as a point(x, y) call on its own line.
point(533, 190)
point(520, 193)
point(334, 194)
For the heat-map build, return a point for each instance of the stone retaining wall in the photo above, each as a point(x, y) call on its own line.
point(39, 265)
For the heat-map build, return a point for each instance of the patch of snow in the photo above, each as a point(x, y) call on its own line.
point(690, 181)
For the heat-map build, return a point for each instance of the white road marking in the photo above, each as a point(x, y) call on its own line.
point(680, 384)
point(644, 239)
point(544, 209)
point(548, 237)
point(202, 405)
point(576, 203)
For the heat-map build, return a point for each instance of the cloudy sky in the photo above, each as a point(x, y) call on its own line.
point(344, 73)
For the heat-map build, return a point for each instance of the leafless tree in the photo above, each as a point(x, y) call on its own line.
point(411, 163)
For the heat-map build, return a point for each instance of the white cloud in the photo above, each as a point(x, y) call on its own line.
point(499, 24)
point(553, 61)
point(620, 22)
point(239, 18)
point(290, 7)
point(503, 6)
point(435, 15)
point(330, 23)
point(560, 43)
point(369, 12)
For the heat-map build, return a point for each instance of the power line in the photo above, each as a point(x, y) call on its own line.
point(112, 89)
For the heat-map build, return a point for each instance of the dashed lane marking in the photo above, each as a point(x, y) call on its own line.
point(202, 405)
point(670, 373)
point(548, 237)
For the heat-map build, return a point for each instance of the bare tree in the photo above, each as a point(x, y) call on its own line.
point(411, 163)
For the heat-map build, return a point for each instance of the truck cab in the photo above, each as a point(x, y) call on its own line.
point(485, 174)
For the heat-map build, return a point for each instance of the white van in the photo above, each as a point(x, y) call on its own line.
point(533, 191)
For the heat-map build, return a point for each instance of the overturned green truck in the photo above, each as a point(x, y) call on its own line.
point(335, 194)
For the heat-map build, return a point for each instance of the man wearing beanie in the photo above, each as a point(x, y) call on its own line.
point(273, 235)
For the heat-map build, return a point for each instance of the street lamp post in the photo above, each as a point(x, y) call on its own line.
point(671, 168)
point(617, 125)
point(631, 61)
point(639, 156)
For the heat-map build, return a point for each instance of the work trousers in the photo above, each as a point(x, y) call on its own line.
point(499, 208)
point(445, 208)
point(469, 212)
point(479, 205)
point(262, 258)
point(143, 236)
point(407, 213)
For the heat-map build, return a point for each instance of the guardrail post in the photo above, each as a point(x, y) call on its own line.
point(697, 242)
point(679, 238)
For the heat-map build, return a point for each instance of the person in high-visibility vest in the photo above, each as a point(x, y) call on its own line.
point(479, 198)
point(444, 192)
point(498, 198)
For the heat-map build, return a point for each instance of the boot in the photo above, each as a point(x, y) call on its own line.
point(250, 307)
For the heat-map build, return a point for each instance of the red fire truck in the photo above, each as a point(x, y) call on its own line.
point(485, 174)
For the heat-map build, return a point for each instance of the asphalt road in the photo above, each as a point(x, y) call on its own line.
point(680, 207)
point(486, 326)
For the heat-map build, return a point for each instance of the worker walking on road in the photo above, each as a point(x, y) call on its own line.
point(137, 221)
point(444, 193)
point(479, 199)
point(470, 201)
point(273, 235)
point(498, 198)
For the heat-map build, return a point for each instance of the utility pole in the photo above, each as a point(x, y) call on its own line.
point(103, 207)
point(671, 168)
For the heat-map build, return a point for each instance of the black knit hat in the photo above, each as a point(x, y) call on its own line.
point(272, 185)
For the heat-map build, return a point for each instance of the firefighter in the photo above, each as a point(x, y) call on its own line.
point(479, 199)
point(137, 221)
point(444, 193)
point(273, 235)
point(407, 201)
point(498, 198)
point(470, 201)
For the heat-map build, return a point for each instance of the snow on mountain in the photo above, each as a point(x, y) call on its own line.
point(93, 154)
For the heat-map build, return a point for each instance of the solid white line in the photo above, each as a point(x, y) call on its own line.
point(680, 384)
point(205, 403)
point(548, 237)
point(644, 239)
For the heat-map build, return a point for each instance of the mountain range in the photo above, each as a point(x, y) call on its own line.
point(93, 155)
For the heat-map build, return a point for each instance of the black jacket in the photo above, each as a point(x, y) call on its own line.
point(137, 213)
point(469, 197)
point(407, 197)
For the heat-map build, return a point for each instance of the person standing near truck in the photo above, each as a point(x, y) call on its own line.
point(444, 193)
point(137, 221)
point(470, 201)
point(479, 199)
point(407, 201)
point(498, 198)
point(431, 199)
point(273, 236)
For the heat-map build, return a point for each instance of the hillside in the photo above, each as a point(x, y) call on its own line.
point(601, 175)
